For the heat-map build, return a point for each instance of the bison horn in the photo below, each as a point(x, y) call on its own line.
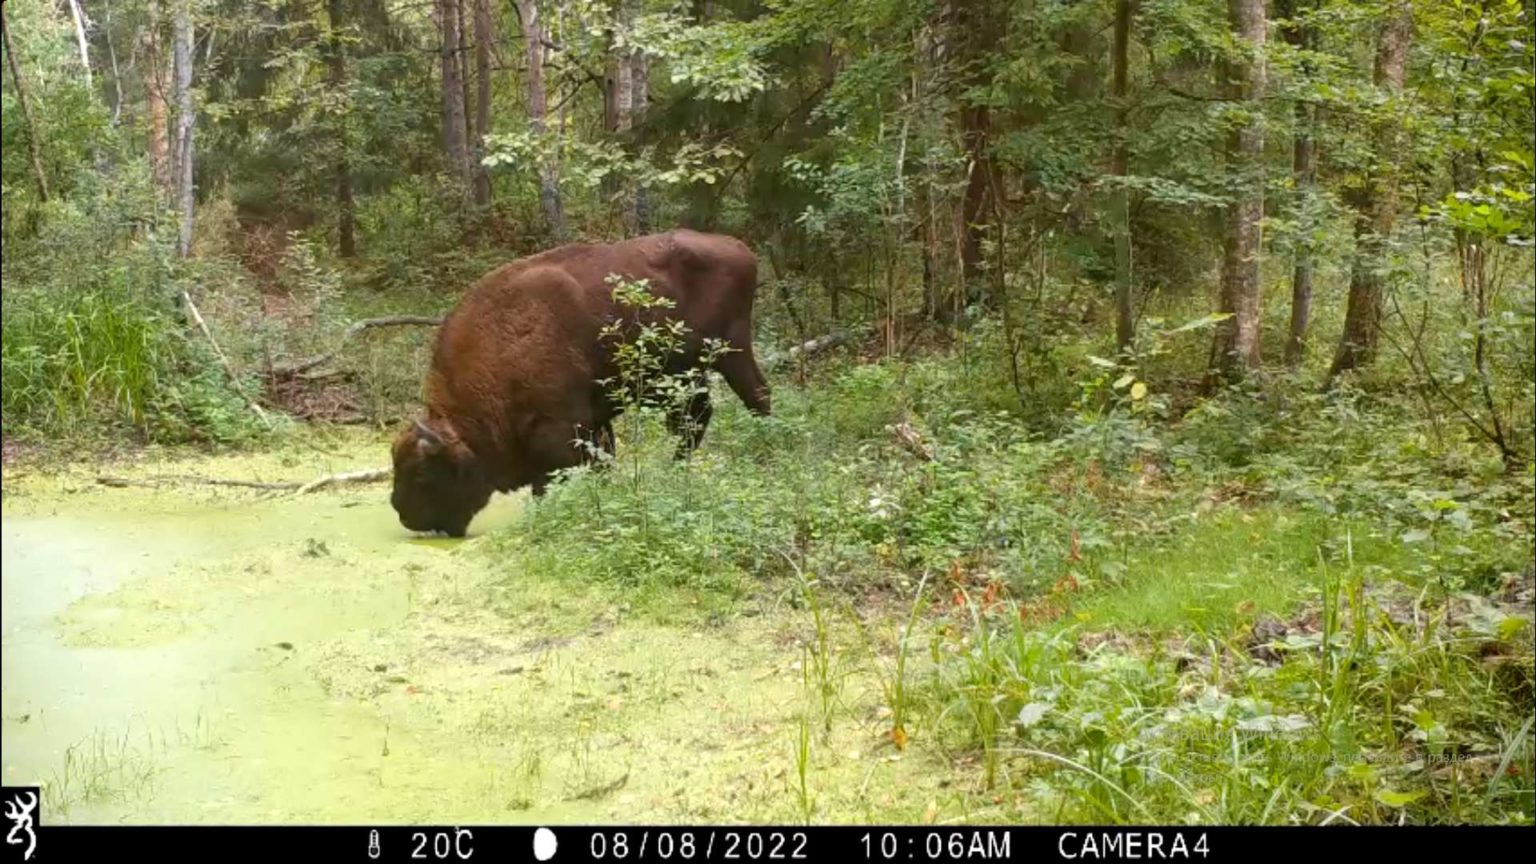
point(427, 440)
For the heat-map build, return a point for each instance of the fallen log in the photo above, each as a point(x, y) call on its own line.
point(356, 328)
point(297, 368)
point(601, 790)
point(807, 349)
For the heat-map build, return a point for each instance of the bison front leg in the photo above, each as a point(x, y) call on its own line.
point(597, 445)
point(552, 447)
point(689, 420)
point(605, 439)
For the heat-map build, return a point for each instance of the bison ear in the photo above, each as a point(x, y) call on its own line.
point(427, 442)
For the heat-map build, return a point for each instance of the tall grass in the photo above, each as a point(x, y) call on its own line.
point(93, 356)
point(93, 338)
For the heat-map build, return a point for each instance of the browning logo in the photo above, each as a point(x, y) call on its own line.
point(20, 809)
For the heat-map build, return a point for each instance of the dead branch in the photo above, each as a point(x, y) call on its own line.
point(324, 375)
point(806, 349)
point(1418, 361)
point(290, 370)
point(909, 440)
point(197, 317)
point(157, 482)
point(602, 790)
point(368, 475)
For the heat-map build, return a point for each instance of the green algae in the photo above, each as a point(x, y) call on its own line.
point(186, 653)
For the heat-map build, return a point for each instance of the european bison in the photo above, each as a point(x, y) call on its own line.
point(516, 374)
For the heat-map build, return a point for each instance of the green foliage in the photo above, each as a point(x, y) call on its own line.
point(1108, 735)
point(939, 175)
point(95, 339)
point(108, 356)
point(418, 247)
point(719, 61)
point(586, 166)
point(1130, 559)
point(99, 355)
point(72, 125)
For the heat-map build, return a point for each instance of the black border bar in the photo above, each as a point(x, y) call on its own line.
point(876, 843)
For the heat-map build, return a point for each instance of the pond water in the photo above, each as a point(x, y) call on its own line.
point(190, 654)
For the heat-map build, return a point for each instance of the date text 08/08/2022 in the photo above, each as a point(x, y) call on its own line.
point(750, 845)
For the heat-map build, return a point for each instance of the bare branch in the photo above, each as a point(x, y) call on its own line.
point(157, 482)
point(218, 353)
point(909, 440)
point(367, 475)
point(806, 349)
point(291, 370)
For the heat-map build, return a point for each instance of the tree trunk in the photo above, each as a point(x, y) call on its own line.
point(612, 69)
point(85, 54)
point(631, 101)
point(930, 53)
point(549, 183)
point(976, 34)
point(611, 96)
point(1078, 41)
point(1469, 251)
point(639, 80)
point(346, 209)
point(466, 28)
point(1375, 204)
point(117, 77)
point(1304, 168)
point(1125, 322)
point(484, 36)
point(184, 125)
point(623, 82)
point(1235, 348)
point(1304, 173)
point(34, 150)
point(453, 94)
point(975, 123)
point(154, 95)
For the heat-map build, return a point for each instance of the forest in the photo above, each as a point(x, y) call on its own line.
point(1152, 440)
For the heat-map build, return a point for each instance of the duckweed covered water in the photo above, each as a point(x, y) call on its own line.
point(202, 654)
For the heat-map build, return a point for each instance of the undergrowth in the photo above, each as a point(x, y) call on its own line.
point(1251, 612)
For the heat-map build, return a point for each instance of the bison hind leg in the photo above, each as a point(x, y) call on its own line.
point(689, 420)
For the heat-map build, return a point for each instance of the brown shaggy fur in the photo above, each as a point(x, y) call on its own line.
point(516, 375)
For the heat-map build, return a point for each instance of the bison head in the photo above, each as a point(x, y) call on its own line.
point(439, 485)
